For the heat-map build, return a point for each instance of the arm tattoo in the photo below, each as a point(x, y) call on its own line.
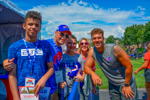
point(117, 49)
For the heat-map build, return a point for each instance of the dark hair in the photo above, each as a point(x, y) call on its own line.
point(73, 37)
point(148, 44)
point(33, 14)
point(97, 31)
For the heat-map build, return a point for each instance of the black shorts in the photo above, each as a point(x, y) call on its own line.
point(147, 75)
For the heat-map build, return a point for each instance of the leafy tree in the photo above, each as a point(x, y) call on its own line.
point(134, 34)
point(120, 41)
point(110, 39)
point(146, 32)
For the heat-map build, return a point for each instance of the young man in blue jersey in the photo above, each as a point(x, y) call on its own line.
point(61, 36)
point(30, 57)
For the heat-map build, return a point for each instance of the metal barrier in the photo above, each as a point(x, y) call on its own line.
point(74, 95)
point(87, 87)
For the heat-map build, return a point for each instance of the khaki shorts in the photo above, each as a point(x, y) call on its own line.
point(54, 96)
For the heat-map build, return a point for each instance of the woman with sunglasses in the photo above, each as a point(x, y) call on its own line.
point(84, 47)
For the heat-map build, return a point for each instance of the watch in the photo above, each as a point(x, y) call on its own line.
point(126, 84)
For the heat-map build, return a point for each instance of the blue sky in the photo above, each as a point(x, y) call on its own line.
point(81, 16)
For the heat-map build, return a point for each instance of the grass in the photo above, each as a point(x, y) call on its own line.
point(140, 80)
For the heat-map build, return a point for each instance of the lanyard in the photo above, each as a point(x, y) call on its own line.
point(56, 50)
point(32, 63)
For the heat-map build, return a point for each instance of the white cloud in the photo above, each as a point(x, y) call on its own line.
point(43, 37)
point(139, 7)
point(81, 17)
point(146, 18)
point(84, 3)
point(69, 1)
point(96, 6)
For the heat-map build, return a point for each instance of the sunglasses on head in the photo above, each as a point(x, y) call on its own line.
point(62, 34)
point(82, 43)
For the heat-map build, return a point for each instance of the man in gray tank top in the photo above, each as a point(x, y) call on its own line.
point(116, 66)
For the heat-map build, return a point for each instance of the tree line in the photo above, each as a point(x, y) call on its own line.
point(133, 35)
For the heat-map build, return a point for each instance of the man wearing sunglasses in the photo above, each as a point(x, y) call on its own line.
point(61, 36)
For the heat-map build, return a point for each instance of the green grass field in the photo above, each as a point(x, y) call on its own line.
point(140, 80)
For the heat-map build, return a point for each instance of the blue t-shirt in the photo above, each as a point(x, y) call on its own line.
point(18, 51)
point(56, 53)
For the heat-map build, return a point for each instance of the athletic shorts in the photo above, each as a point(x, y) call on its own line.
point(115, 92)
point(147, 75)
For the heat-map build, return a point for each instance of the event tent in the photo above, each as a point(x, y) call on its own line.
point(11, 30)
point(11, 20)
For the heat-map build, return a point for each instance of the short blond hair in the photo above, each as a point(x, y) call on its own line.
point(97, 31)
point(79, 49)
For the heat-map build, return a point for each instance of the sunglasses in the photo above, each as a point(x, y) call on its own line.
point(62, 34)
point(82, 43)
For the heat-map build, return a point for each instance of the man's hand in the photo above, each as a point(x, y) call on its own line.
point(80, 77)
point(96, 79)
point(39, 86)
point(135, 72)
point(128, 92)
point(62, 84)
point(8, 64)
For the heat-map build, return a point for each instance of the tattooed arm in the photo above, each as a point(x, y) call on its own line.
point(123, 58)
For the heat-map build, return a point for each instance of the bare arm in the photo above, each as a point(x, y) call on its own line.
point(146, 62)
point(13, 84)
point(88, 69)
point(123, 58)
point(50, 71)
point(89, 62)
point(41, 83)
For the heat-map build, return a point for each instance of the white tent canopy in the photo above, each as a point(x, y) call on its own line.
point(10, 13)
point(11, 20)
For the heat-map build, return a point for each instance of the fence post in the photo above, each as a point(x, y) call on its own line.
point(87, 85)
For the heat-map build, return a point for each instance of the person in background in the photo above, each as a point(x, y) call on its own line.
point(146, 67)
point(134, 52)
point(72, 67)
point(83, 49)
